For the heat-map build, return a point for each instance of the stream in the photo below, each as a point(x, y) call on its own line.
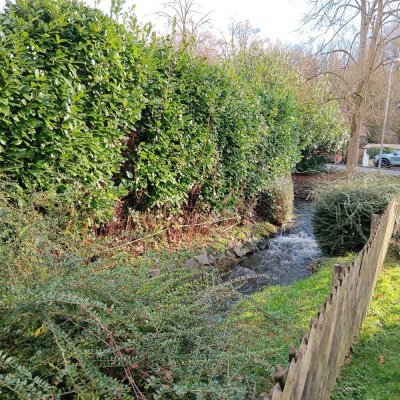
point(285, 259)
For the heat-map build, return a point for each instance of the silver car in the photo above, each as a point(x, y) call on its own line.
point(389, 159)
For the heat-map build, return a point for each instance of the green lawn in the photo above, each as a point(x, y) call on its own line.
point(374, 370)
point(279, 316)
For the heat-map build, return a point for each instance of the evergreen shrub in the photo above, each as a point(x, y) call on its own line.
point(343, 210)
point(80, 320)
point(70, 79)
point(125, 114)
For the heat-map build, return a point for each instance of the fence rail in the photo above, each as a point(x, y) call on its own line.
point(315, 366)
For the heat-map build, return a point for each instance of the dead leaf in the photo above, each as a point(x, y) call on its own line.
point(381, 359)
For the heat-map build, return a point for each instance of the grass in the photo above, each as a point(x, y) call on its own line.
point(374, 370)
point(279, 316)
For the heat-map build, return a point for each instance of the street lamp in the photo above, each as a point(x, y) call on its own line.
point(386, 109)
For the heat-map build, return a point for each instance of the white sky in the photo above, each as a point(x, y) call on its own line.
point(277, 19)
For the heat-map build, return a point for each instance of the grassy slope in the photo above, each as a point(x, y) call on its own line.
point(279, 316)
point(374, 371)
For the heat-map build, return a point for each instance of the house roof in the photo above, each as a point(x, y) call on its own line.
point(387, 145)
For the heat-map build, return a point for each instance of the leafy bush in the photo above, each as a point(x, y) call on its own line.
point(121, 112)
point(79, 320)
point(276, 203)
point(343, 210)
point(71, 90)
point(172, 150)
point(210, 131)
point(314, 159)
point(323, 130)
point(220, 144)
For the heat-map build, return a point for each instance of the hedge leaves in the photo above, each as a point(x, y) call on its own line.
point(121, 113)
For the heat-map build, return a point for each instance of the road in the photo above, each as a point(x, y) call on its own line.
point(393, 171)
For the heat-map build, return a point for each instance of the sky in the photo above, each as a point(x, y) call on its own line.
point(277, 20)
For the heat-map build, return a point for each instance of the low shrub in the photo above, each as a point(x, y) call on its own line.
point(276, 203)
point(79, 320)
point(343, 210)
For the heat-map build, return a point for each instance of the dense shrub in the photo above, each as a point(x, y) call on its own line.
point(81, 320)
point(220, 144)
point(88, 101)
point(314, 159)
point(343, 210)
point(323, 130)
point(276, 202)
point(71, 91)
point(210, 131)
point(172, 150)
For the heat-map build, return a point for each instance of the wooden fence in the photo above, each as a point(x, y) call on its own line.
point(315, 366)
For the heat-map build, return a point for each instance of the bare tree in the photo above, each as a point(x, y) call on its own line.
point(358, 33)
point(241, 38)
point(186, 17)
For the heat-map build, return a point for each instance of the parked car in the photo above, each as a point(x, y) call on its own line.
point(389, 159)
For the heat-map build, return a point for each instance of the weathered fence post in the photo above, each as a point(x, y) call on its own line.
point(312, 371)
point(337, 270)
point(374, 222)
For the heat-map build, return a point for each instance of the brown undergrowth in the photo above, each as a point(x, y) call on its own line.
point(141, 233)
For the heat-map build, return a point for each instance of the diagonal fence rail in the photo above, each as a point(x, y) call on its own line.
point(315, 366)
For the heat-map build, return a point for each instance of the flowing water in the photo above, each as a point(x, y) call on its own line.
point(285, 259)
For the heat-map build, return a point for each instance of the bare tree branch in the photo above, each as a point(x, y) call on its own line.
point(369, 27)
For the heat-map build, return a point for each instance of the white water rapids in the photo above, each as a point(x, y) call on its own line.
point(286, 257)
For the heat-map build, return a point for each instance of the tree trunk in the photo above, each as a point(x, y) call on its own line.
point(368, 54)
point(352, 149)
point(355, 125)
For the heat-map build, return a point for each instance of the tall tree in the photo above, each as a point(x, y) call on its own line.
point(361, 33)
point(241, 39)
point(186, 17)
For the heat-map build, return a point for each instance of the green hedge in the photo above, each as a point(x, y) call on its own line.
point(71, 83)
point(121, 112)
